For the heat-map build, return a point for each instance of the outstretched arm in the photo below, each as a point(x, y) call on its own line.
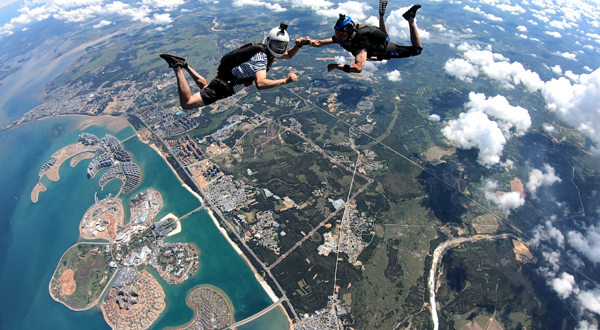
point(319, 43)
point(357, 67)
point(292, 51)
point(262, 82)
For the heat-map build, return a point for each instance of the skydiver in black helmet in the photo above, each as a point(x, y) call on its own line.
point(369, 42)
point(238, 69)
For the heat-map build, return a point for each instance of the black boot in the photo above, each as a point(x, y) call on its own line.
point(411, 13)
point(174, 61)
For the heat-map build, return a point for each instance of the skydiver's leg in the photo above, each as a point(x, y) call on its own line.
point(415, 39)
point(187, 100)
point(382, 6)
point(198, 79)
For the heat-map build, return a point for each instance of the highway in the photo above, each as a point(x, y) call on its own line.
point(257, 315)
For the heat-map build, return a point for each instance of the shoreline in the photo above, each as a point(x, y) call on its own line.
point(91, 117)
point(237, 249)
point(195, 309)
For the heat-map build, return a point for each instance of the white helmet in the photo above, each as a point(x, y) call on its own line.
point(277, 40)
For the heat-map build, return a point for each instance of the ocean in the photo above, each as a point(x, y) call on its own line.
point(33, 237)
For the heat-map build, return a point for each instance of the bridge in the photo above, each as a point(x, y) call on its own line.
point(257, 315)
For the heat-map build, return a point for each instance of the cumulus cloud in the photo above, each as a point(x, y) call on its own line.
point(354, 9)
point(165, 4)
point(590, 300)
point(313, 4)
point(393, 76)
point(522, 28)
point(576, 103)
point(515, 10)
point(474, 129)
point(538, 178)
point(548, 128)
point(564, 285)
point(588, 245)
point(496, 67)
point(554, 34)
point(434, 118)
point(547, 233)
point(396, 25)
point(504, 201)
point(567, 55)
point(585, 325)
point(340, 60)
point(273, 7)
point(461, 69)
point(481, 12)
point(102, 23)
point(556, 69)
point(498, 107)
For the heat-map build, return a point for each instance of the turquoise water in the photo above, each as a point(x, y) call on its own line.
point(33, 237)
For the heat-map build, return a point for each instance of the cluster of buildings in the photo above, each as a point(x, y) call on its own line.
point(113, 156)
point(213, 310)
point(350, 235)
point(134, 304)
point(174, 262)
point(186, 150)
point(144, 207)
point(228, 194)
point(266, 230)
point(320, 320)
point(47, 165)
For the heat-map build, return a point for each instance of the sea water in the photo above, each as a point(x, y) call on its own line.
point(33, 237)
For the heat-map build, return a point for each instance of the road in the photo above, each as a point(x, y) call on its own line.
point(224, 221)
point(316, 228)
point(257, 315)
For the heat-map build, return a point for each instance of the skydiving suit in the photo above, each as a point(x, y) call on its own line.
point(377, 44)
point(243, 75)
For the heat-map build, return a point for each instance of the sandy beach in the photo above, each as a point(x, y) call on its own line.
point(35, 193)
point(259, 278)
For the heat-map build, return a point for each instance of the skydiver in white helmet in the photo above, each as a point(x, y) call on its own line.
point(238, 69)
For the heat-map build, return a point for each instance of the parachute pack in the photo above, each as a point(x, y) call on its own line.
point(237, 57)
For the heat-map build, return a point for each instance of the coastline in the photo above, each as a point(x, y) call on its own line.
point(195, 309)
point(237, 249)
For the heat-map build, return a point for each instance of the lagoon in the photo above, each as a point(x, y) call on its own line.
point(33, 237)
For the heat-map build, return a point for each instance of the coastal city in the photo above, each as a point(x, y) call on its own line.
point(212, 309)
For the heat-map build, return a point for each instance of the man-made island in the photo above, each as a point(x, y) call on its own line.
point(212, 309)
point(135, 299)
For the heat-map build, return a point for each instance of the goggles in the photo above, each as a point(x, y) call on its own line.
point(278, 47)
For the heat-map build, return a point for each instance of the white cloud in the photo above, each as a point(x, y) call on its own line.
point(515, 10)
point(102, 23)
point(313, 4)
point(588, 245)
point(547, 233)
point(397, 25)
point(556, 69)
point(533, 22)
point(499, 28)
point(340, 60)
point(461, 69)
point(577, 104)
point(354, 9)
point(393, 76)
point(523, 36)
point(564, 285)
point(587, 68)
point(567, 55)
point(537, 178)
point(548, 128)
point(590, 300)
point(273, 7)
point(560, 25)
point(499, 108)
point(585, 325)
point(481, 12)
point(440, 27)
point(554, 34)
point(434, 118)
point(541, 18)
point(496, 67)
point(504, 201)
point(522, 28)
point(508, 163)
point(476, 130)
